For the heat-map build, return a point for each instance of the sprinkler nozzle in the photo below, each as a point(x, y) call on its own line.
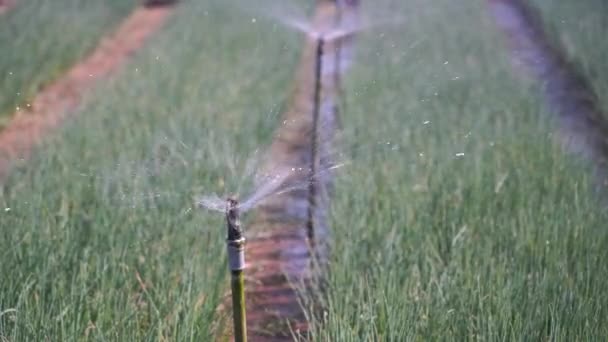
point(232, 219)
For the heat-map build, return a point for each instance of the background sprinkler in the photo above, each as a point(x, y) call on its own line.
point(236, 261)
point(314, 158)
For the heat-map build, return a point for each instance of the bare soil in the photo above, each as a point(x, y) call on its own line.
point(54, 103)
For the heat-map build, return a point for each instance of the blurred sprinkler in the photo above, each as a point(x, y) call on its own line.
point(315, 160)
point(293, 16)
point(347, 21)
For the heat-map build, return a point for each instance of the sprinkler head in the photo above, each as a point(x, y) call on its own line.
point(232, 219)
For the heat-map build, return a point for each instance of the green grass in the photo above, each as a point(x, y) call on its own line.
point(109, 197)
point(506, 242)
point(580, 27)
point(40, 39)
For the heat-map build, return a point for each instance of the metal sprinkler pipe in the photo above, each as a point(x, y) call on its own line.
point(314, 155)
point(236, 260)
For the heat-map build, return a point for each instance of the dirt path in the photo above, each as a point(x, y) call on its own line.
point(54, 103)
point(279, 253)
point(583, 129)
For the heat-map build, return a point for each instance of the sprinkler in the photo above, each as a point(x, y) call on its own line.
point(236, 261)
point(314, 158)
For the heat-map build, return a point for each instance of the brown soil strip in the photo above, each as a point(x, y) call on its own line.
point(566, 91)
point(279, 253)
point(52, 105)
point(6, 5)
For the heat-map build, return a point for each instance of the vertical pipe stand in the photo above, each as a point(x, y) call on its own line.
point(236, 261)
point(315, 144)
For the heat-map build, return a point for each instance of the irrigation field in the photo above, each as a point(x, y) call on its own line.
point(457, 217)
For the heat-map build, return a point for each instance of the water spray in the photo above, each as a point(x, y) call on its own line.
point(236, 262)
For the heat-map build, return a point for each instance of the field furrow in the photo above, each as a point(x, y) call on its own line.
point(40, 40)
